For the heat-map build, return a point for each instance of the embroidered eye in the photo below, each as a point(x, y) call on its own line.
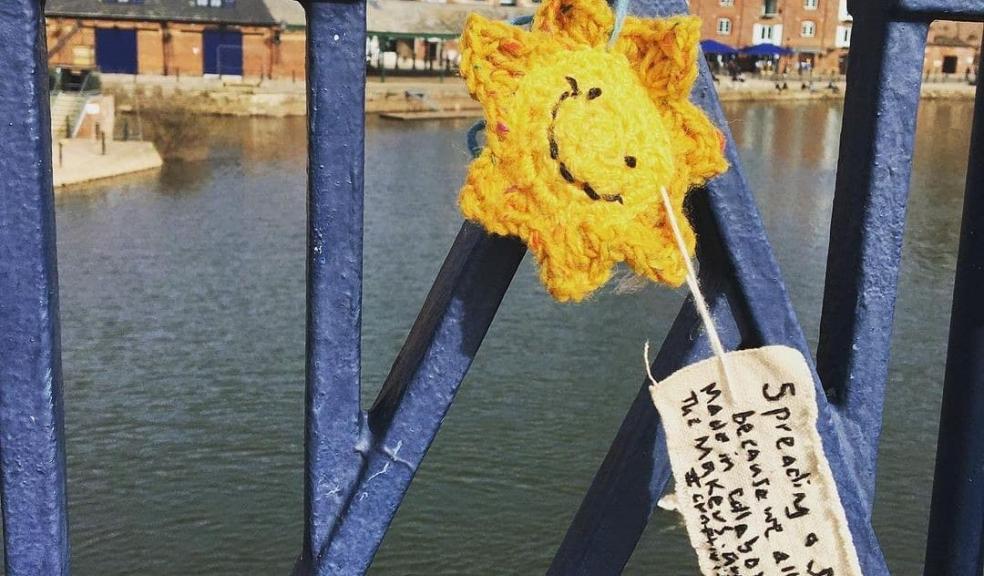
point(573, 83)
point(630, 161)
point(594, 93)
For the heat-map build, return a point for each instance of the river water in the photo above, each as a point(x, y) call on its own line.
point(182, 298)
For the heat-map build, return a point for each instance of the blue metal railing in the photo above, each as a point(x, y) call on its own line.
point(359, 464)
point(32, 439)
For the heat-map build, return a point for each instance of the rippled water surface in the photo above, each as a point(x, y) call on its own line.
point(183, 332)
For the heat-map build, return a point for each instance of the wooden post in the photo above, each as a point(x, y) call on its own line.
point(383, 42)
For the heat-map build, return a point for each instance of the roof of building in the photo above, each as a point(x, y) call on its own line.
point(237, 12)
point(288, 12)
point(392, 17)
point(403, 18)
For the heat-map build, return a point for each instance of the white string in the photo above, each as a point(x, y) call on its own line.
point(699, 301)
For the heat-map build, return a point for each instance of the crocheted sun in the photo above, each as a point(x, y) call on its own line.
point(580, 138)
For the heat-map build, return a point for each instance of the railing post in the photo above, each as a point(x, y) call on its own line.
point(867, 226)
point(336, 122)
point(32, 452)
point(956, 523)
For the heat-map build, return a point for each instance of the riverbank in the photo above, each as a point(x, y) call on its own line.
point(280, 98)
point(756, 90)
point(78, 161)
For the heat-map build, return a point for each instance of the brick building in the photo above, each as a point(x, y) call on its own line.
point(290, 49)
point(953, 49)
point(266, 38)
point(251, 38)
point(171, 37)
point(818, 30)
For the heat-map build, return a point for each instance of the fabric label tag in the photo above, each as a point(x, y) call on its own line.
point(752, 481)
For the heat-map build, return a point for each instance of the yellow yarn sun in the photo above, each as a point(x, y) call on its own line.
point(580, 138)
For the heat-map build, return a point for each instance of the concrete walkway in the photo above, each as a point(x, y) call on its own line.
point(79, 160)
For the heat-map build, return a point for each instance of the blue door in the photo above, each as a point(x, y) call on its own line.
point(223, 52)
point(116, 50)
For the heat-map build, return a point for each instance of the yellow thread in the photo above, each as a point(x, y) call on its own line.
point(580, 138)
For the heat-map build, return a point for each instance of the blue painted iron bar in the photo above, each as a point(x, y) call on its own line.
point(336, 102)
point(421, 387)
point(764, 315)
point(32, 452)
point(968, 10)
point(615, 510)
point(636, 470)
point(472, 246)
point(867, 225)
point(956, 522)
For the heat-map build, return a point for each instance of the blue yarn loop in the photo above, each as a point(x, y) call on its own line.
point(621, 10)
point(473, 146)
point(522, 20)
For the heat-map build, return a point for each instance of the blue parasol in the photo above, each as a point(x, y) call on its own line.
point(715, 47)
point(766, 50)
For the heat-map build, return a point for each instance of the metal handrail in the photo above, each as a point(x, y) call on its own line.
point(359, 464)
point(88, 95)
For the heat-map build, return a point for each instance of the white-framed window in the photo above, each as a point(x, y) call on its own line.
point(727, 3)
point(842, 12)
point(724, 26)
point(767, 34)
point(843, 38)
point(808, 29)
point(770, 7)
point(811, 4)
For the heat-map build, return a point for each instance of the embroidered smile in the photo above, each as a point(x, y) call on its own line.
point(565, 172)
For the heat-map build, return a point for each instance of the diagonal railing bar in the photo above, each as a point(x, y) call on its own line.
point(955, 543)
point(421, 387)
point(867, 225)
point(763, 312)
point(360, 465)
point(612, 516)
point(635, 472)
point(495, 257)
point(336, 131)
point(32, 449)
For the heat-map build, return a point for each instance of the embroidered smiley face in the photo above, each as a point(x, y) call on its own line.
point(600, 142)
point(580, 139)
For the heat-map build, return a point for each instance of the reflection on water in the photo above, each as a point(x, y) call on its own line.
point(183, 329)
